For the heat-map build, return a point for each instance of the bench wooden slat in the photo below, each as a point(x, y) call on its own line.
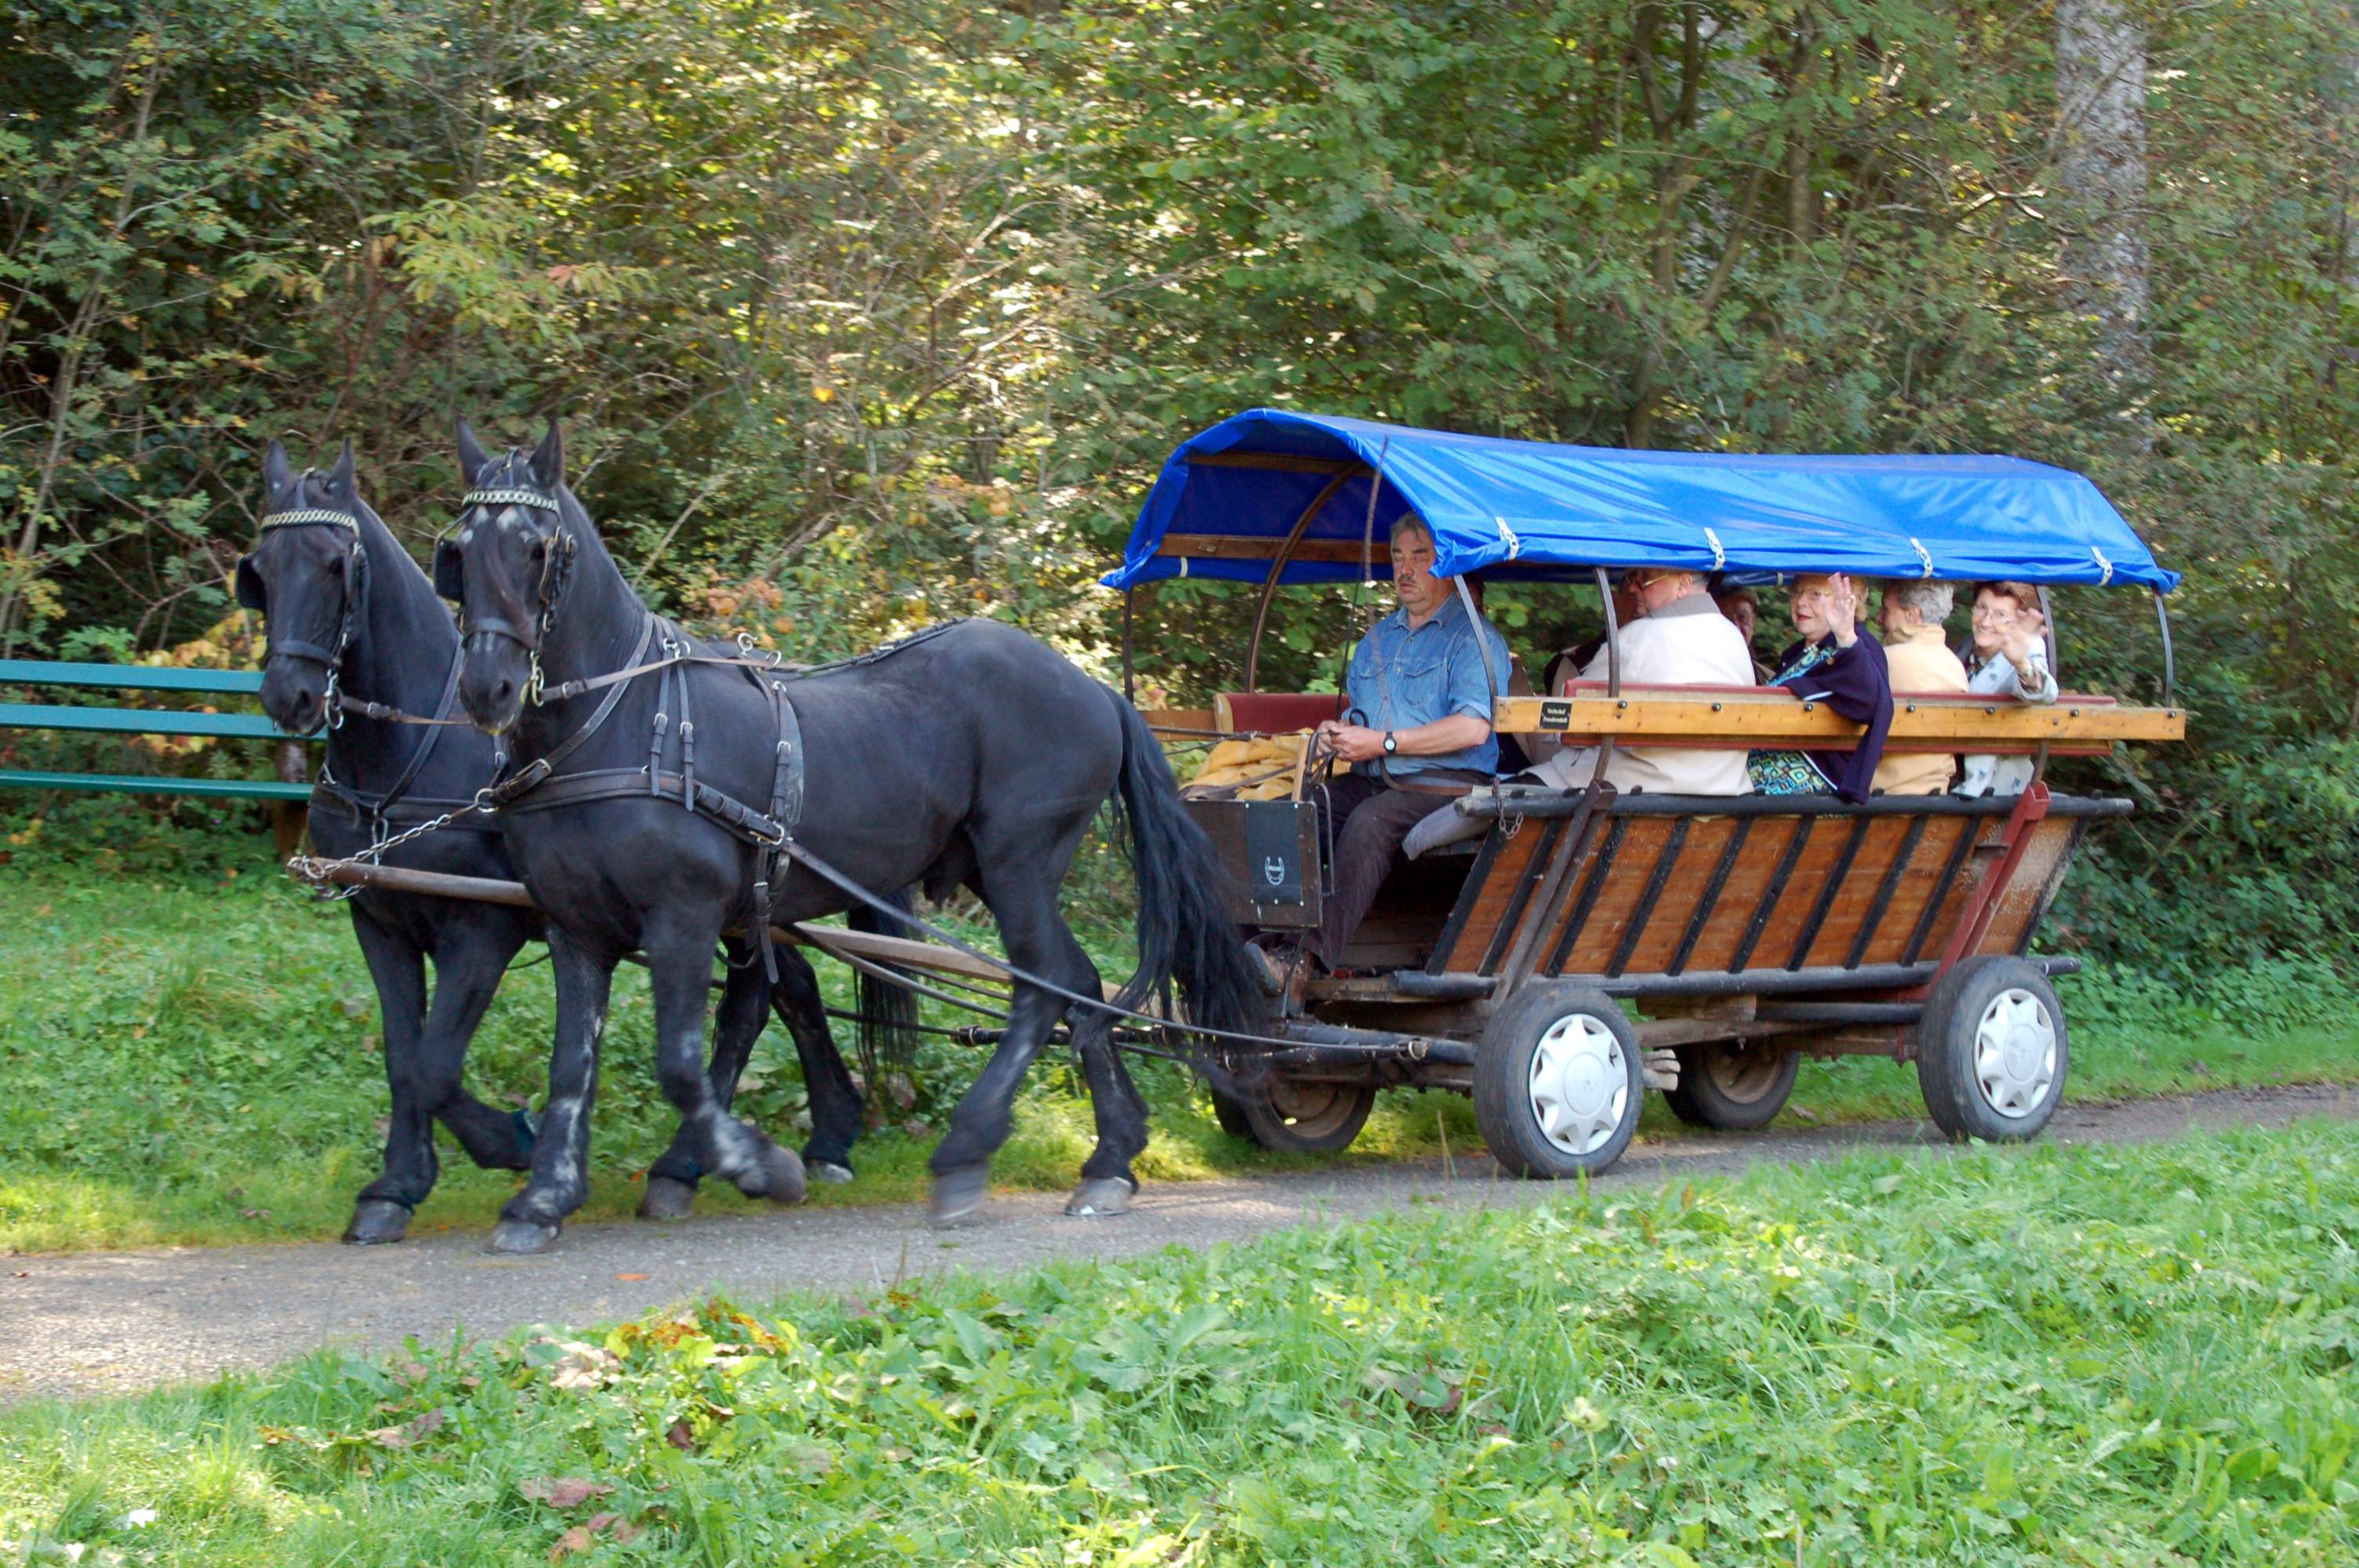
point(1676, 714)
point(141, 721)
point(140, 784)
point(127, 677)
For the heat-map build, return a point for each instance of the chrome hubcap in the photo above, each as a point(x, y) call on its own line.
point(2015, 1053)
point(1580, 1084)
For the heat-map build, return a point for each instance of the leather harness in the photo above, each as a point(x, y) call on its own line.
point(539, 786)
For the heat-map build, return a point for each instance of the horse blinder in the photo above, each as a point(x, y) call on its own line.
point(450, 572)
point(250, 593)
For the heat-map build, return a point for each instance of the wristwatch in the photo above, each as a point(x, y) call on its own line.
point(1392, 742)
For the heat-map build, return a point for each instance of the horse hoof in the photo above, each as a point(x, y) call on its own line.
point(958, 1193)
point(780, 1179)
point(667, 1199)
point(1101, 1198)
point(377, 1221)
point(828, 1171)
point(520, 1239)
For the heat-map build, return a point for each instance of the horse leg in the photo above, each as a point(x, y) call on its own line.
point(1108, 1184)
point(736, 1024)
point(1037, 940)
point(560, 1157)
point(469, 962)
point(679, 968)
point(382, 1211)
point(835, 1103)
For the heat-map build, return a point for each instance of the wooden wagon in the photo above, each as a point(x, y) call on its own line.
point(1593, 943)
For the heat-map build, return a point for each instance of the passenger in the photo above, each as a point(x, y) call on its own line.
point(1837, 663)
point(1919, 661)
point(2008, 657)
point(1420, 693)
point(1743, 608)
point(1562, 666)
point(1680, 639)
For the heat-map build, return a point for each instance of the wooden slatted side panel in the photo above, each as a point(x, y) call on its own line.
point(1922, 877)
point(1611, 893)
point(1726, 919)
point(1708, 845)
point(1931, 934)
point(2025, 898)
point(1500, 885)
point(1848, 906)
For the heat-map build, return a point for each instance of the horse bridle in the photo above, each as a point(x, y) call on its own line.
point(525, 625)
point(355, 575)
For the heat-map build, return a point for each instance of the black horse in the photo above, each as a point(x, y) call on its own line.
point(357, 639)
point(654, 776)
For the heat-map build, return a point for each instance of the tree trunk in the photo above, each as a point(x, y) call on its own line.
point(2101, 170)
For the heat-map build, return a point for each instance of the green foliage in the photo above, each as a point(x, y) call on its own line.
point(1999, 1357)
point(862, 316)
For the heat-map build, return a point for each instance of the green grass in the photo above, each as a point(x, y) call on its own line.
point(2054, 1355)
point(194, 1063)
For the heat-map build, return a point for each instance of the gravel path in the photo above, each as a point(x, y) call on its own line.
point(109, 1323)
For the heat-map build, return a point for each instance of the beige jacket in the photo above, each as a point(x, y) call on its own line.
point(1687, 642)
point(1920, 662)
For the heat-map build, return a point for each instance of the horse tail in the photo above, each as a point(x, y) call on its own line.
point(1184, 932)
point(887, 1039)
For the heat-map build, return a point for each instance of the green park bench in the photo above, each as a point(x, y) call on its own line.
point(85, 718)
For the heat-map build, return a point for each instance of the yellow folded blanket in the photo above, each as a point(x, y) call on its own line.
point(1255, 768)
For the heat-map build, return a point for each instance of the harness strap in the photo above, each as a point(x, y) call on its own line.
point(311, 651)
point(637, 784)
point(605, 709)
point(786, 808)
point(333, 794)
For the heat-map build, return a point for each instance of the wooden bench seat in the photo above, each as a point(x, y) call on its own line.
point(175, 722)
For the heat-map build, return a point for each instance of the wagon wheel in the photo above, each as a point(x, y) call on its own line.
point(1727, 1085)
point(1293, 1117)
point(1991, 1051)
point(1556, 1082)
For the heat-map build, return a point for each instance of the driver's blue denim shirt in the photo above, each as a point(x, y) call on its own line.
point(1402, 678)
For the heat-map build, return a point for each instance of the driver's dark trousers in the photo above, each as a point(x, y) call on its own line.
point(1374, 817)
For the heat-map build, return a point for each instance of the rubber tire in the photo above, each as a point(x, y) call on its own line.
point(1253, 1115)
point(1503, 1070)
point(1699, 1102)
point(1945, 1048)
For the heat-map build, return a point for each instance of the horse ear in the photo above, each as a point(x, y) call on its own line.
point(548, 459)
point(276, 469)
point(340, 478)
point(450, 572)
point(471, 453)
point(249, 583)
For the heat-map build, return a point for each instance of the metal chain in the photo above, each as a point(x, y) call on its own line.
point(311, 870)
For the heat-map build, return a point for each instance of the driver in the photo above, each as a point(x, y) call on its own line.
point(1418, 726)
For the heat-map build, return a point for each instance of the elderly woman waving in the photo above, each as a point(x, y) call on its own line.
point(2008, 657)
point(1838, 663)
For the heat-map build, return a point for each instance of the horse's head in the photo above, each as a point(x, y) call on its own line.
point(506, 562)
point(305, 577)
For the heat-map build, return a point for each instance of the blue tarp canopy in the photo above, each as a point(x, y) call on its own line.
point(1227, 499)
